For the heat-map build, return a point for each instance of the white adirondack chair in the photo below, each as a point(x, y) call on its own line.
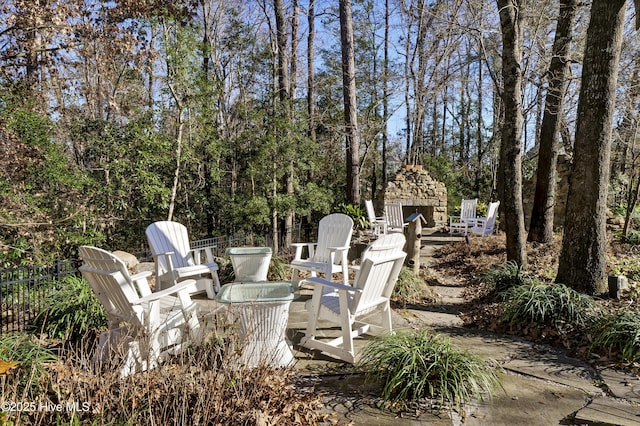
point(384, 245)
point(484, 226)
point(394, 217)
point(461, 224)
point(144, 327)
point(329, 254)
point(378, 223)
point(175, 260)
point(354, 308)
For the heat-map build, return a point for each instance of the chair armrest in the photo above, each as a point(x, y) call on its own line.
point(331, 284)
point(177, 288)
point(141, 275)
point(140, 281)
point(344, 251)
point(168, 264)
point(197, 254)
point(300, 246)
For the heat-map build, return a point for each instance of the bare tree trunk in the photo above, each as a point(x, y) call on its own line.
point(541, 228)
point(582, 264)
point(176, 173)
point(385, 95)
point(311, 19)
point(420, 97)
point(510, 146)
point(350, 106)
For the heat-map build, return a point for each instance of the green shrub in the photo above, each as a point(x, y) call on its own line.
point(415, 365)
point(357, 213)
point(552, 304)
point(71, 312)
point(618, 333)
point(505, 276)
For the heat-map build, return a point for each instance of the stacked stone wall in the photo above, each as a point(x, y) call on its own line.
point(418, 192)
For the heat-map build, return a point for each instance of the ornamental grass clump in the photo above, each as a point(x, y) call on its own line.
point(505, 276)
point(414, 365)
point(410, 287)
point(619, 334)
point(548, 304)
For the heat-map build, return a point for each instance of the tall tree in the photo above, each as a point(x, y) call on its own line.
point(541, 228)
point(350, 105)
point(582, 263)
point(511, 143)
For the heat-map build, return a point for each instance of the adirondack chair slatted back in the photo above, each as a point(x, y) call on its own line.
point(376, 278)
point(468, 209)
point(384, 245)
point(395, 217)
point(334, 230)
point(167, 236)
point(371, 213)
point(110, 280)
point(492, 214)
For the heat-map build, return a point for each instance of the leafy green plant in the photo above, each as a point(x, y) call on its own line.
point(414, 365)
point(618, 333)
point(505, 276)
point(357, 213)
point(32, 357)
point(552, 304)
point(71, 311)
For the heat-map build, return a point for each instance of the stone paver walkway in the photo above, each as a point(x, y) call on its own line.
point(541, 386)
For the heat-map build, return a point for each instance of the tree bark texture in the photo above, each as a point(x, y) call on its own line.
point(541, 228)
point(350, 107)
point(582, 263)
point(511, 142)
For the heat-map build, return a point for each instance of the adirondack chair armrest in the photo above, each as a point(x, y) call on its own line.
point(208, 252)
point(331, 284)
point(300, 246)
point(343, 251)
point(140, 281)
point(182, 285)
point(141, 275)
point(167, 255)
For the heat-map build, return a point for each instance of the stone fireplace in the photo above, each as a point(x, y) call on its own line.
point(419, 193)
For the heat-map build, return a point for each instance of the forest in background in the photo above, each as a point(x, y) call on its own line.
point(228, 116)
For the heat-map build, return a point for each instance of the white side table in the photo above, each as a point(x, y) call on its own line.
point(261, 311)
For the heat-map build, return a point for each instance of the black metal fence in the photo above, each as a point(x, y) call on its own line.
point(23, 289)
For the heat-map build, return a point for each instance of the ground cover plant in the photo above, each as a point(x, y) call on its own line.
point(71, 312)
point(420, 364)
point(411, 288)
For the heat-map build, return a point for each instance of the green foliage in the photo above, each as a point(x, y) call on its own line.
point(32, 356)
point(409, 288)
point(505, 276)
point(629, 267)
point(415, 365)
point(618, 333)
point(633, 237)
point(357, 213)
point(71, 312)
point(552, 304)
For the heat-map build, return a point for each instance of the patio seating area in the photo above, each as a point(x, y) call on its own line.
point(250, 313)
